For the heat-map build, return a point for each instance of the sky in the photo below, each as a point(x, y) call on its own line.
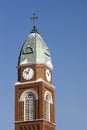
point(63, 26)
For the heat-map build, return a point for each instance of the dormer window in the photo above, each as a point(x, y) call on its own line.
point(27, 50)
point(47, 52)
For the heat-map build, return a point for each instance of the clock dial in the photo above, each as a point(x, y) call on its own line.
point(48, 74)
point(28, 73)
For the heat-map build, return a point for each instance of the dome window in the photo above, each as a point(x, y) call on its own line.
point(27, 50)
point(47, 52)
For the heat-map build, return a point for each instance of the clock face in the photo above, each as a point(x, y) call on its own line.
point(48, 74)
point(28, 73)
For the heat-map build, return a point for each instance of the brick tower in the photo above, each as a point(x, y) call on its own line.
point(34, 92)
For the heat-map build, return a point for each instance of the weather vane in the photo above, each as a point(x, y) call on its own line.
point(34, 18)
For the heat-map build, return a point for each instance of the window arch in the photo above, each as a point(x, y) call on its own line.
point(29, 106)
point(48, 101)
point(26, 92)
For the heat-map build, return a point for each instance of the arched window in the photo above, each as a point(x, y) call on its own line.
point(29, 106)
point(48, 101)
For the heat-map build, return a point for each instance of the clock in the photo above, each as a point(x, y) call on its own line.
point(28, 73)
point(48, 74)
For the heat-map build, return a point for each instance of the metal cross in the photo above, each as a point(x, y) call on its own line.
point(34, 18)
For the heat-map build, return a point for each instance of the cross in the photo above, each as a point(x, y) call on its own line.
point(34, 18)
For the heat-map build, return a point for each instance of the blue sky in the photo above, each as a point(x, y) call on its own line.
point(63, 26)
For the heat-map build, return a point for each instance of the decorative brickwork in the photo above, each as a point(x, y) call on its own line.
point(40, 88)
point(29, 127)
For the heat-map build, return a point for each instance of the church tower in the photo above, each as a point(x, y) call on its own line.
point(34, 92)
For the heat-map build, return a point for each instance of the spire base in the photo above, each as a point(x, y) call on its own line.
point(34, 30)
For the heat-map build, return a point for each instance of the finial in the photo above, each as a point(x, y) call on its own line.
point(34, 19)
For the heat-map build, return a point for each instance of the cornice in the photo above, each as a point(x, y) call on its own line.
point(37, 81)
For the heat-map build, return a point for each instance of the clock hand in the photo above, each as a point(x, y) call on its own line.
point(28, 70)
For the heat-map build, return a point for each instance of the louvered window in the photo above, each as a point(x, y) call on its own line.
point(47, 107)
point(29, 107)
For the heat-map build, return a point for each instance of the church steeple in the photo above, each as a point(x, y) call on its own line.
point(34, 92)
point(34, 49)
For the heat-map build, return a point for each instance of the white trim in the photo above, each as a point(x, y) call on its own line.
point(26, 92)
point(36, 81)
point(35, 120)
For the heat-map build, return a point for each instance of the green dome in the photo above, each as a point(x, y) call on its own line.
point(34, 50)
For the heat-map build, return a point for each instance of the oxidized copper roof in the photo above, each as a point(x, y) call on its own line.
point(34, 50)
